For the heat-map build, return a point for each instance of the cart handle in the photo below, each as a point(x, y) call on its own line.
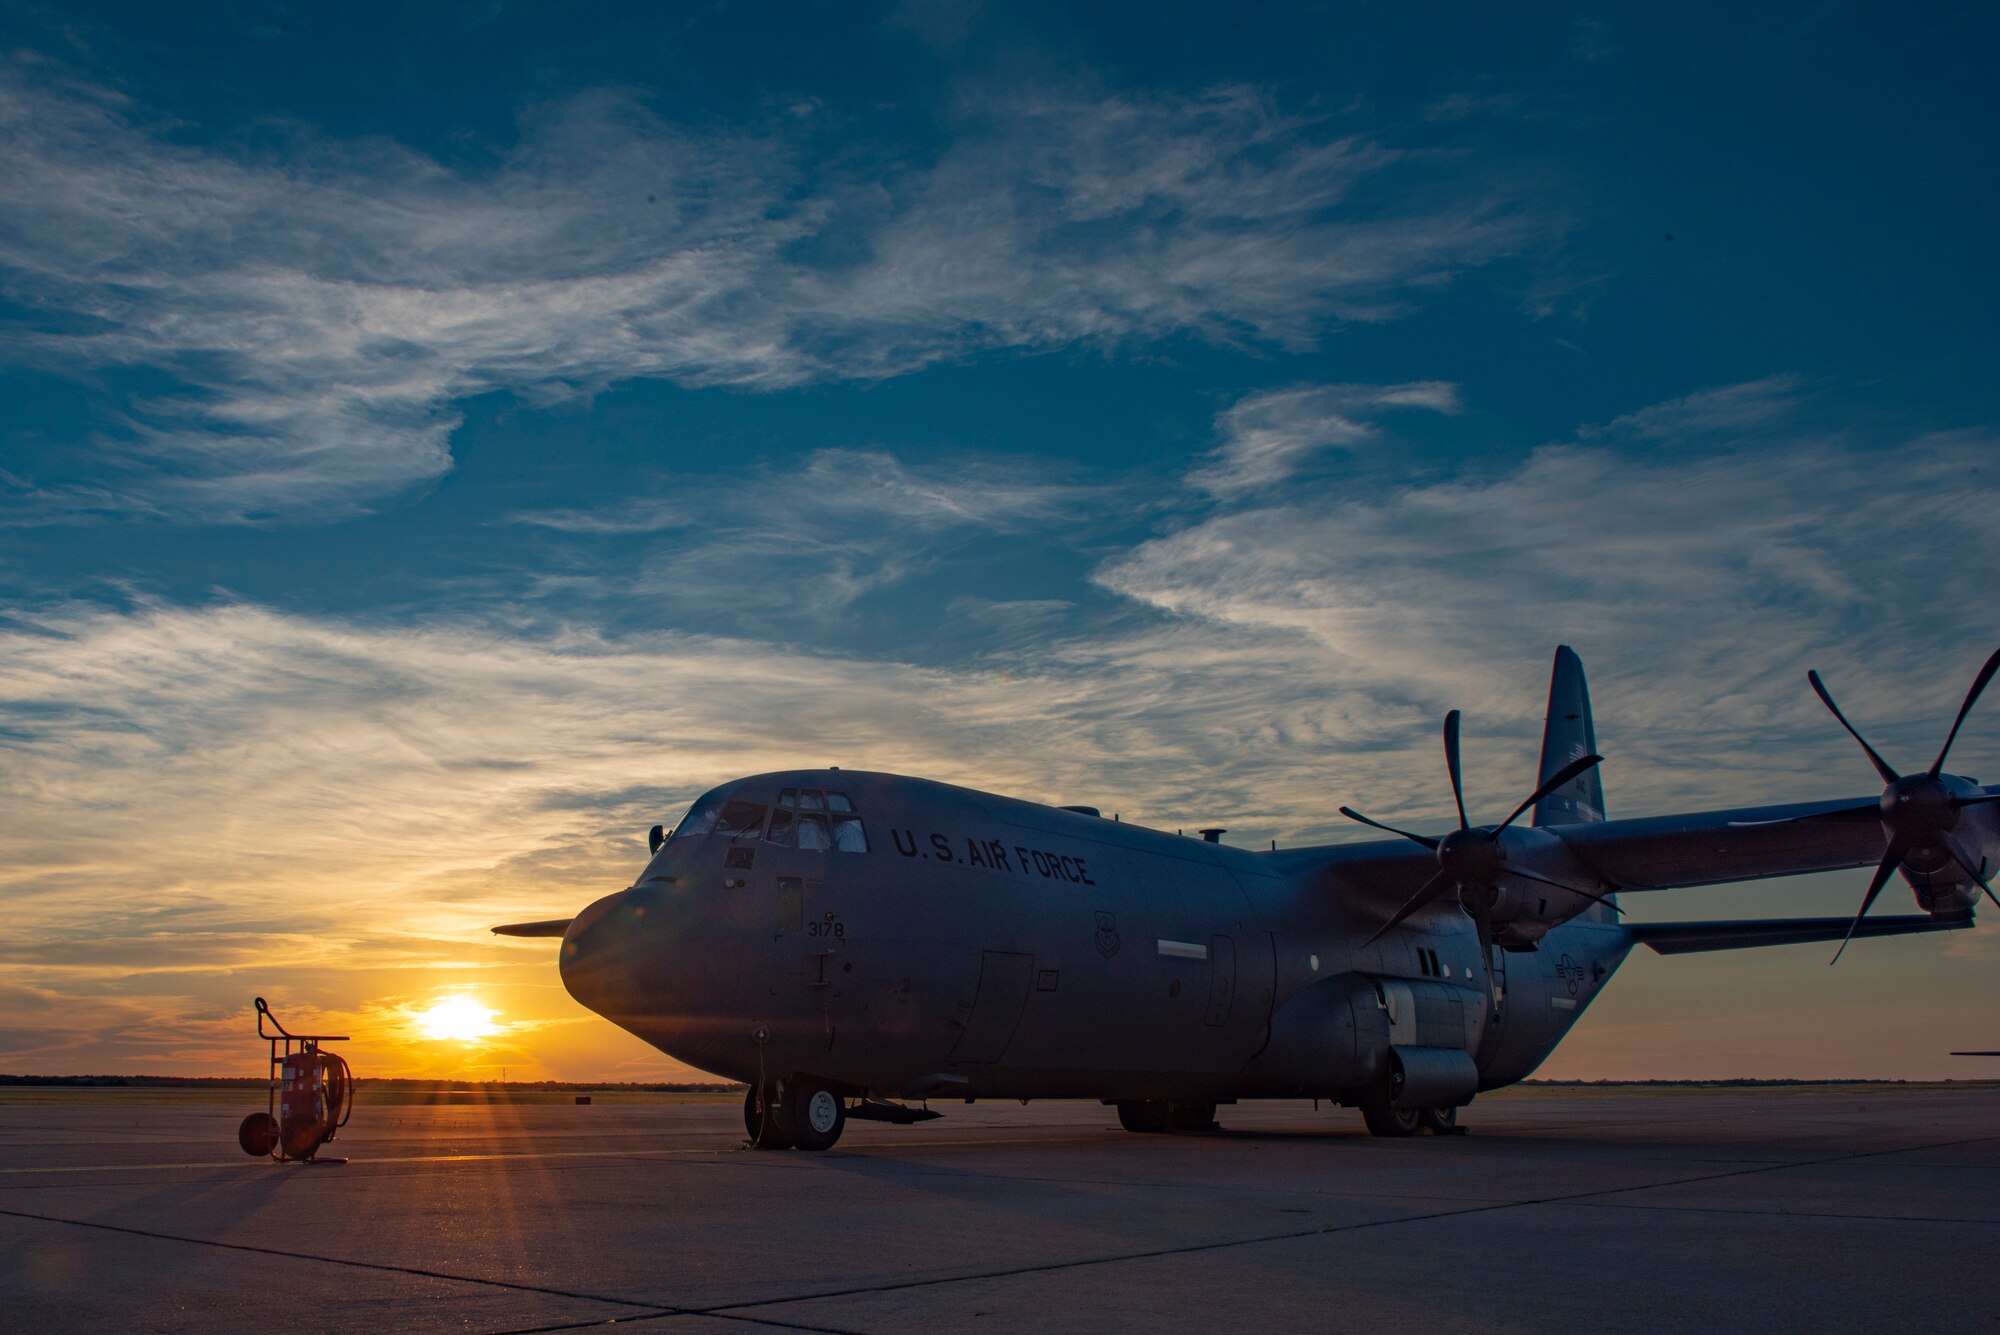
point(264, 1013)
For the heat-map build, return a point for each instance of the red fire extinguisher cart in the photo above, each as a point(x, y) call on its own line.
point(311, 1095)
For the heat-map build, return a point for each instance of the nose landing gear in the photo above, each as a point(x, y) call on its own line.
point(800, 1113)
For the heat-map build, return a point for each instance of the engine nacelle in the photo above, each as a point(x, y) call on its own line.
point(1524, 910)
point(1940, 885)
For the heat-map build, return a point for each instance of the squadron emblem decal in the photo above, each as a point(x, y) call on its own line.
point(1570, 972)
point(1107, 935)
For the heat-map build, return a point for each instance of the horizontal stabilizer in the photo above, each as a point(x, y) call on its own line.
point(1685, 938)
point(553, 927)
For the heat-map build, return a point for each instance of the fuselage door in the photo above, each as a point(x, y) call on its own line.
point(1222, 979)
point(1004, 980)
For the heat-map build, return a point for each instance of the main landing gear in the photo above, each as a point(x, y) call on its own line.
point(1152, 1116)
point(1384, 1119)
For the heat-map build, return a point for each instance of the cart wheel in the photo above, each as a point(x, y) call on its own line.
point(259, 1134)
point(302, 1135)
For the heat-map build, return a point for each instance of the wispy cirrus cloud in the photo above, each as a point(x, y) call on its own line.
point(1700, 584)
point(803, 538)
point(1267, 435)
point(320, 305)
point(1727, 410)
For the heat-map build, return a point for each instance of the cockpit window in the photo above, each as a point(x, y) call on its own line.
point(808, 818)
point(848, 836)
point(699, 820)
point(813, 832)
point(740, 818)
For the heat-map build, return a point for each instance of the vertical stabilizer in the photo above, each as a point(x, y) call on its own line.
point(1567, 734)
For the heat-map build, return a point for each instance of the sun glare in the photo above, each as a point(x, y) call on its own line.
point(457, 1018)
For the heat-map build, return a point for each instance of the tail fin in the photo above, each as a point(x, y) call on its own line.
point(1567, 734)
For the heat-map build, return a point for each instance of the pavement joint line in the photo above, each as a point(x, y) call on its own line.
point(382, 1266)
point(1290, 1235)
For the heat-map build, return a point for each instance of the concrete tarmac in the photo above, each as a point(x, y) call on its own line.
point(1823, 1209)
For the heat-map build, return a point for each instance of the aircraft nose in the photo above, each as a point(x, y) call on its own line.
point(600, 954)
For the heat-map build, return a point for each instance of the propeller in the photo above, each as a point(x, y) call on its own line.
point(1472, 858)
point(1919, 811)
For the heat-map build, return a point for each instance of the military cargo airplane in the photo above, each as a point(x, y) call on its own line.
point(847, 943)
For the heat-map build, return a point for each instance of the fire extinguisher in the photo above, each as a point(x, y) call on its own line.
point(311, 1094)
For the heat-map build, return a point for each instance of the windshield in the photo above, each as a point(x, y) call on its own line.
point(715, 814)
point(806, 818)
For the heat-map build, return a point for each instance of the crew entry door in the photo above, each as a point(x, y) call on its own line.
point(1004, 979)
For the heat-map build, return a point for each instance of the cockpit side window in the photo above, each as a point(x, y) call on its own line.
point(848, 836)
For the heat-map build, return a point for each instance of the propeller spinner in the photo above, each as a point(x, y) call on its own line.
point(1472, 859)
point(1919, 811)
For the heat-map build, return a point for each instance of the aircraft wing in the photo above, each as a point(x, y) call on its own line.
point(1651, 853)
point(1713, 847)
point(1686, 938)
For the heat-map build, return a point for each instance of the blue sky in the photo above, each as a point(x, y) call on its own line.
point(436, 446)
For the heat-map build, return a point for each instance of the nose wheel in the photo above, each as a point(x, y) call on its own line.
point(802, 1113)
point(761, 1121)
point(815, 1113)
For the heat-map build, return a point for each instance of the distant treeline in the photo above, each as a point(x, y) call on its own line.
point(252, 1082)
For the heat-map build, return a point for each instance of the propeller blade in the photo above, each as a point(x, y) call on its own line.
point(1485, 929)
point(1451, 765)
point(1971, 698)
point(1555, 781)
point(1432, 888)
point(1981, 800)
point(1425, 840)
point(1891, 859)
point(1958, 856)
point(1509, 869)
point(1825, 698)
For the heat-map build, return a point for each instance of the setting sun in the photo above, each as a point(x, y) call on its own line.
point(459, 1018)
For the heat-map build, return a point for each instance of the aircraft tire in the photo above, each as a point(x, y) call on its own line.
point(1386, 1120)
point(814, 1114)
point(259, 1134)
point(1438, 1121)
point(1145, 1116)
point(762, 1121)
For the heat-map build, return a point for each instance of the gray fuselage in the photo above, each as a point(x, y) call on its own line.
point(988, 947)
